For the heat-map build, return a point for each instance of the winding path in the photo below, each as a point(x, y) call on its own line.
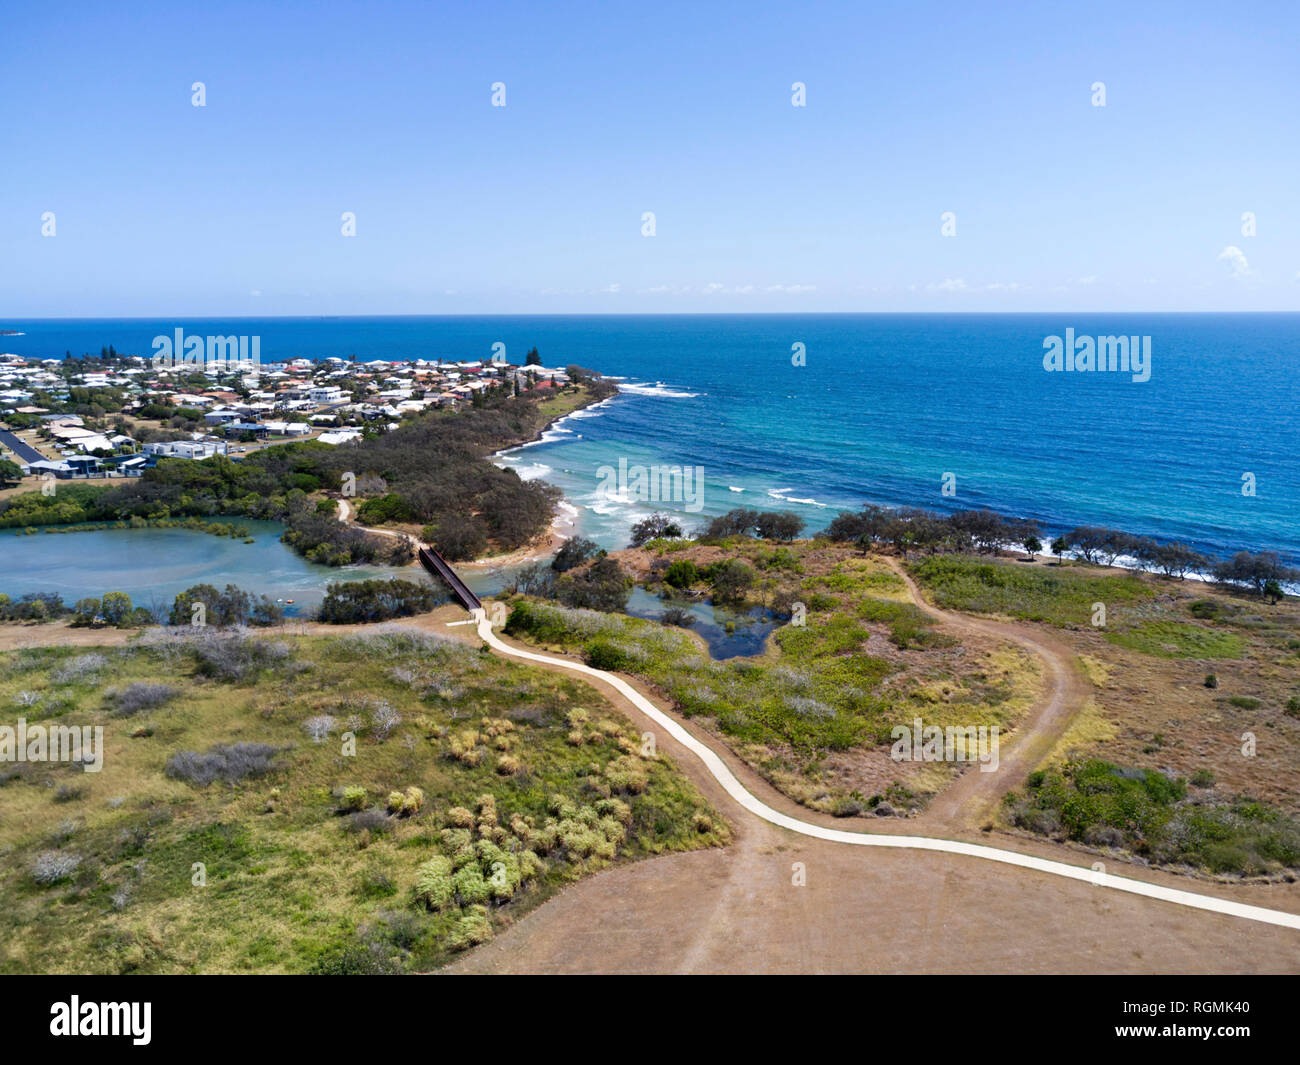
point(972, 797)
point(737, 791)
point(967, 797)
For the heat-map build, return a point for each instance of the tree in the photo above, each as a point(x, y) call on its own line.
point(1087, 540)
point(573, 553)
point(1116, 543)
point(1059, 546)
point(182, 612)
point(579, 374)
point(534, 579)
point(782, 525)
point(738, 522)
point(86, 610)
point(116, 607)
point(602, 586)
point(1032, 545)
point(1255, 571)
point(10, 472)
point(682, 573)
point(377, 600)
point(533, 358)
point(382, 509)
point(731, 580)
point(983, 528)
point(1174, 560)
point(655, 527)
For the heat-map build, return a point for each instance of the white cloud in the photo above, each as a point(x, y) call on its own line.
point(613, 288)
point(948, 284)
point(1235, 258)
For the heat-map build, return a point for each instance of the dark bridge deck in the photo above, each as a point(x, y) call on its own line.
point(439, 567)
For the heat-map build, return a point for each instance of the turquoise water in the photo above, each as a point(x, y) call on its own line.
point(154, 565)
point(885, 406)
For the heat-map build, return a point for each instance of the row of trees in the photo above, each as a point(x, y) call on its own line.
point(986, 532)
point(233, 607)
point(765, 525)
point(348, 602)
point(911, 528)
point(113, 608)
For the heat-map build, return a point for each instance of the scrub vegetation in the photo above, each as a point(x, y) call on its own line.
point(232, 829)
point(814, 713)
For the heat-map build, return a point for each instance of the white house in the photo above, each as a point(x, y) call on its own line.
point(288, 428)
point(186, 449)
point(339, 436)
point(327, 394)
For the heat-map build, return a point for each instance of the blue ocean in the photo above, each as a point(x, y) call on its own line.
point(883, 408)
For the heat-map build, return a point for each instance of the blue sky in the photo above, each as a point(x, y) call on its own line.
point(613, 110)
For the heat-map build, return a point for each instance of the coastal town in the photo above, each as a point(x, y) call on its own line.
point(116, 415)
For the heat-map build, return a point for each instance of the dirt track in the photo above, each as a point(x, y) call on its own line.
point(971, 799)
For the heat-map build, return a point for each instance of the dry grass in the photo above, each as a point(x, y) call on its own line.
point(292, 883)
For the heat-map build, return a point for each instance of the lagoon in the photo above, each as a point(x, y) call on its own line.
point(154, 565)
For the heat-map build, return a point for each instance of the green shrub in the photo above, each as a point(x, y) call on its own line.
point(601, 654)
point(1212, 609)
point(471, 929)
point(470, 886)
point(349, 602)
point(682, 573)
point(385, 508)
point(434, 887)
point(1144, 811)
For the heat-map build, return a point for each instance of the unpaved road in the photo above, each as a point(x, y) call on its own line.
point(972, 798)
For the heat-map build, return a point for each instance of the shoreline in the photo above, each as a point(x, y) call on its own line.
point(564, 515)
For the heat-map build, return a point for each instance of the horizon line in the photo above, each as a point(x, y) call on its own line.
point(621, 314)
